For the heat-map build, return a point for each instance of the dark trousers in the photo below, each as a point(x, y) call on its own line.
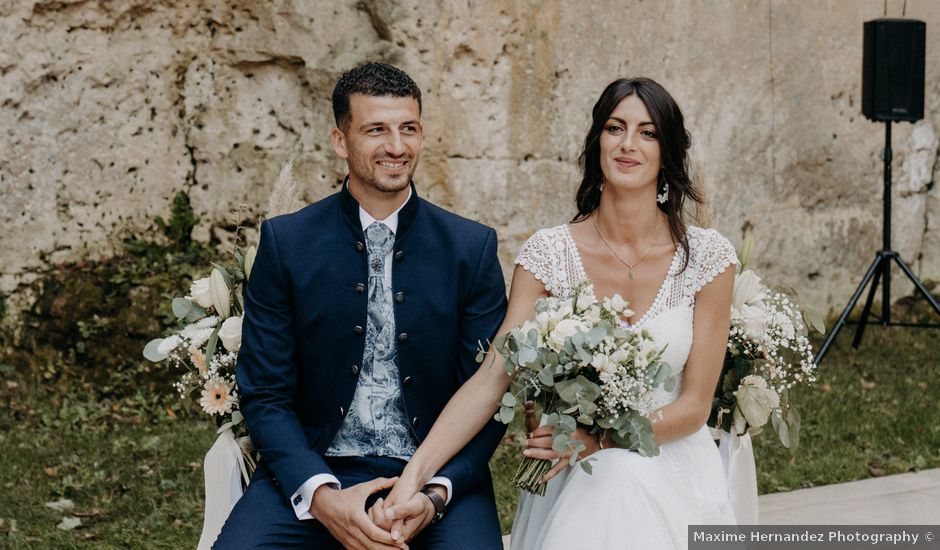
point(263, 517)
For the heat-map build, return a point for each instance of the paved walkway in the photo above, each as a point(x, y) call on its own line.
point(903, 499)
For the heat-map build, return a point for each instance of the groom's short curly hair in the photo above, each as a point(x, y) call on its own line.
point(372, 79)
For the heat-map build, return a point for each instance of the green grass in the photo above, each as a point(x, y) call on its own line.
point(134, 471)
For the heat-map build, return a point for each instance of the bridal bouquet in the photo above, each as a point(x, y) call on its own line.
point(768, 352)
point(206, 346)
point(579, 362)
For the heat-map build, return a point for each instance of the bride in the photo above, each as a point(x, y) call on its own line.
point(628, 238)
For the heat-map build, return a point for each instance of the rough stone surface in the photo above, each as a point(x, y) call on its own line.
point(109, 108)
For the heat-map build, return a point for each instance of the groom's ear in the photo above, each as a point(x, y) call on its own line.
point(339, 143)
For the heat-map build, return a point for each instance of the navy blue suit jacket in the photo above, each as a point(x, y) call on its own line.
point(305, 315)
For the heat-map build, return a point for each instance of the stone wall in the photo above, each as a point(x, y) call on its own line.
point(108, 108)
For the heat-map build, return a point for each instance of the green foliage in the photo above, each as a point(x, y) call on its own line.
point(179, 229)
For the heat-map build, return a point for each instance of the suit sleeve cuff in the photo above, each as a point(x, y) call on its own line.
point(445, 483)
point(303, 497)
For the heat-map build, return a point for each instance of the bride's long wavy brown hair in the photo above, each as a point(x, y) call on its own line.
point(674, 144)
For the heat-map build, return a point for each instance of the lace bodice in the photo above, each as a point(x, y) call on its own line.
point(552, 257)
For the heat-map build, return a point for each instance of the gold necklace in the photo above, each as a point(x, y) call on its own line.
point(659, 233)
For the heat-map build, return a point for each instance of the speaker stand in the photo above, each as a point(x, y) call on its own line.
point(880, 272)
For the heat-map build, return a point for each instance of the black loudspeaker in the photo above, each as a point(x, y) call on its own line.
point(893, 69)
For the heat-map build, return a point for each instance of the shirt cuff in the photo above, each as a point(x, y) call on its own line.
point(444, 482)
point(303, 498)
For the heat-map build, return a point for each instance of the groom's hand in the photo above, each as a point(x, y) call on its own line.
point(343, 514)
point(407, 519)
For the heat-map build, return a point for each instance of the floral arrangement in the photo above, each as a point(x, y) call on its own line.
point(768, 353)
point(579, 362)
point(206, 346)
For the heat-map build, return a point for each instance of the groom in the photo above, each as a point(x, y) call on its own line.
point(362, 318)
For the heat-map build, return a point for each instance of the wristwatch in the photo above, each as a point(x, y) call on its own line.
point(438, 502)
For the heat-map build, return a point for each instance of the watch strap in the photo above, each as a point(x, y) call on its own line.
point(437, 501)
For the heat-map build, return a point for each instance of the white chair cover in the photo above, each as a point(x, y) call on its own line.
point(737, 457)
point(224, 470)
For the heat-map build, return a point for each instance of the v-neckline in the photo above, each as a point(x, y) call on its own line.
point(659, 294)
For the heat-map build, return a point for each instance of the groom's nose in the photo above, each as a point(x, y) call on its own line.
point(394, 145)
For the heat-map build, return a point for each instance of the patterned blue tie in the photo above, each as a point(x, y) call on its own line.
point(379, 242)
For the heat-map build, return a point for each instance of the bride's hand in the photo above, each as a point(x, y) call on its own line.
point(539, 445)
point(402, 492)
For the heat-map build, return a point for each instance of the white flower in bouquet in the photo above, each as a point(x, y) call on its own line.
point(219, 292)
point(169, 344)
point(198, 333)
point(566, 328)
point(603, 363)
point(218, 396)
point(585, 298)
point(231, 333)
point(618, 305)
point(199, 293)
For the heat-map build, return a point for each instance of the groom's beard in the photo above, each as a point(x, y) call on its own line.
point(372, 174)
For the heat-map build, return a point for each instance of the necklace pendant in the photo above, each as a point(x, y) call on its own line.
point(630, 274)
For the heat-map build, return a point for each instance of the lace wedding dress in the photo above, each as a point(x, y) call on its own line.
point(630, 501)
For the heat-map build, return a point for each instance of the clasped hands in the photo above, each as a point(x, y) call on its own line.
point(389, 524)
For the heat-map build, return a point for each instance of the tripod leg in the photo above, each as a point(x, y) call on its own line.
point(920, 286)
point(866, 311)
point(848, 309)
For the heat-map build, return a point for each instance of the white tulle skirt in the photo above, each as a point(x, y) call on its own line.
point(629, 502)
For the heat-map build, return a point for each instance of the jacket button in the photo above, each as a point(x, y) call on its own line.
point(342, 411)
point(399, 256)
point(359, 246)
point(354, 369)
point(403, 337)
point(415, 422)
point(399, 297)
point(407, 381)
point(360, 288)
point(358, 329)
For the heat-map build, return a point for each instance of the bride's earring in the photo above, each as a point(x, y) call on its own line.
point(661, 198)
point(600, 186)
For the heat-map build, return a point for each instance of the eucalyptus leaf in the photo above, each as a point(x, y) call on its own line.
point(596, 334)
point(586, 465)
point(237, 418)
point(506, 414)
point(181, 307)
point(568, 390)
point(783, 432)
point(793, 424)
point(509, 400)
point(560, 442)
point(547, 376)
point(527, 356)
point(151, 353)
point(195, 313)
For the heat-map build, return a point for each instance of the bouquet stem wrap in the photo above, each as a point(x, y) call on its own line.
point(529, 474)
